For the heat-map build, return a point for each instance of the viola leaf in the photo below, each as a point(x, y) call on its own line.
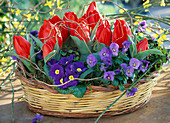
point(81, 45)
point(32, 56)
point(38, 42)
point(78, 91)
point(94, 32)
point(84, 74)
point(132, 48)
point(144, 54)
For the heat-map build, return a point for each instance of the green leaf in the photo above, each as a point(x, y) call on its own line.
point(47, 70)
point(81, 45)
point(78, 91)
point(125, 58)
point(94, 32)
point(62, 91)
point(32, 52)
point(115, 83)
point(105, 82)
point(142, 55)
point(98, 47)
point(132, 47)
point(121, 87)
point(38, 42)
point(84, 74)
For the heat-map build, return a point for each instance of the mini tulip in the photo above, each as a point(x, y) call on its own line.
point(142, 45)
point(61, 25)
point(22, 46)
point(104, 34)
point(46, 50)
point(77, 27)
point(45, 36)
point(120, 32)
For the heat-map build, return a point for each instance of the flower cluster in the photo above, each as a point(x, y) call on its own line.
point(65, 71)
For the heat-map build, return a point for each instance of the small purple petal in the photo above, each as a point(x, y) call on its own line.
point(52, 62)
point(109, 75)
point(105, 53)
point(135, 63)
point(118, 71)
point(126, 45)
point(144, 65)
point(124, 66)
point(132, 92)
point(91, 60)
point(114, 47)
point(129, 71)
point(14, 57)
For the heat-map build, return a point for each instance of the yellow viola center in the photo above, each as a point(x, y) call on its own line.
point(79, 69)
point(57, 71)
point(104, 54)
point(134, 64)
point(61, 80)
point(66, 62)
point(128, 71)
point(108, 77)
point(124, 47)
point(143, 66)
point(71, 77)
point(114, 50)
point(90, 61)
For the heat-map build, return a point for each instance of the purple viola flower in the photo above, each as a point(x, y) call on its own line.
point(105, 53)
point(71, 58)
point(143, 67)
point(13, 57)
point(142, 26)
point(126, 45)
point(70, 68)
point(114, 47)
point(37, 118)
point(56, 70)
point(40, 55)
point(135, 63)
point(129, 71)
point(153, 38)
point(79, 67)
point(91, 60)
point(64, 61)
point(109, 75)
point(69, 80)
point(52, 62)
point(35, 34)
point(124, 66)
point(118, 71)
point(132, 92)
point(107, 60)
point(104, 67)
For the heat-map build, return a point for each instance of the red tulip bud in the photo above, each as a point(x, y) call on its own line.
point(120, 32)
point(142, 45)
point(46, 50)
point(22, 46)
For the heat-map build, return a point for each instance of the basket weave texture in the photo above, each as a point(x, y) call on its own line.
point(46, 101)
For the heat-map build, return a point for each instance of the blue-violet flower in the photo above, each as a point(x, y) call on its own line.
point(91, 60)
point(132, 92)
point(129, 71)
point(135, 63)
point(109, 75)
point(114, 47)
point(126, 45)
point(37, 118)
point(56, 70)
point(143, 67)
point(105, 53)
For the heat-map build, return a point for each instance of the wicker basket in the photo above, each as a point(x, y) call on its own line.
point(45, 100)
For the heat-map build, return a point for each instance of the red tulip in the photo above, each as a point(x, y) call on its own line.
point(92, 15)
point(22, 46)
point(142, 45)
point(46, 50)
point(61, 25)
point(77, 27)
point(45, 36)
point(104, 34)
point(120, 32)
point(70, 19)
